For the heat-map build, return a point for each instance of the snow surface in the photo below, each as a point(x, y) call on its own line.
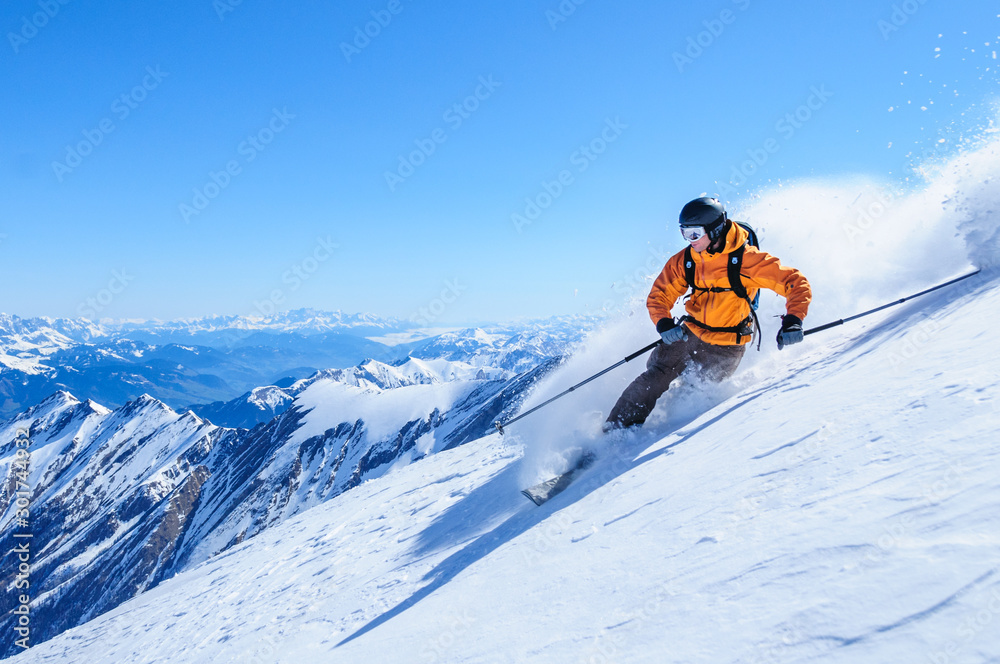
point(835, 502)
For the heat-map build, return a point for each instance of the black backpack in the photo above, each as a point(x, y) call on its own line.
point(734, 262)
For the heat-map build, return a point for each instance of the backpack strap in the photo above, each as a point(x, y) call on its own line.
point(689, 268)
point(734, 262)
point(752, 242)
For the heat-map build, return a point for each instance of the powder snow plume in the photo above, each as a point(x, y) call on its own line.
point(862, 242)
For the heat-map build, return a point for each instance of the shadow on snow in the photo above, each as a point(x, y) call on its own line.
point(499, 499)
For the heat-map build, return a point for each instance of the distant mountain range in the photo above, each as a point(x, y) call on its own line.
point(216, 359)
point(208, 330)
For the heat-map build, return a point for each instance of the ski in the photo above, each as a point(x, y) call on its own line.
point(543, 491)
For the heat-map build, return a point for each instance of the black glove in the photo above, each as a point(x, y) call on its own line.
point(790, 332)
point(670, 331)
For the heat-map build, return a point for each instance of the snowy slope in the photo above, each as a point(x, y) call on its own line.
point(125, 499)
point(842, 505)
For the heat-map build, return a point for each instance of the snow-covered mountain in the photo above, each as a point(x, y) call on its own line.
point(125, 498)
point(213, 360)
point(837, 503)
point(24, 347)
point(180, 362)
point(510, 347)
point(261, 404)
point(77, 330)
point(116, 371)
point(412, 371)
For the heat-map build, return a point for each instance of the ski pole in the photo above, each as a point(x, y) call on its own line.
point(891, 304)
point(631, 357)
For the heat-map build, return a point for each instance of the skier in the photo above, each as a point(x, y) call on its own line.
point(724, 273)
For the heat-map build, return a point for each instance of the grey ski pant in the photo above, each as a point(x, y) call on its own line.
point(666, 363)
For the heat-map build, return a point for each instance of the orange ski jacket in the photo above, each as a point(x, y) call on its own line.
point(725, 309)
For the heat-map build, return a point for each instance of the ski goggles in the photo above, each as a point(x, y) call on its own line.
point(693, 233)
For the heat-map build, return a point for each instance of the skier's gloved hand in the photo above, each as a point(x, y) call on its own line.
point(670, 331)
point(790, 332)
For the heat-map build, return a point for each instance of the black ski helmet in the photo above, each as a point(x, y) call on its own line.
point(706, 212)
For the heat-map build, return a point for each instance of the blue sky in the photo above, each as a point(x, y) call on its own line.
point(246, 164)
